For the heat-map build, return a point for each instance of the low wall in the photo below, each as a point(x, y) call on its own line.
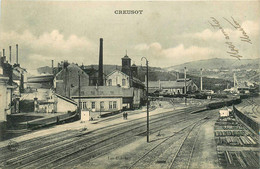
point(50, 121)
point(247, 120)
point(2, 130)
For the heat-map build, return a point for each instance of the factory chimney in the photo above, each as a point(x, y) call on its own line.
point(10, 49)
point(4, 57)
point(52, 66)
point(100, 68)
point(17, 54)
point(201, 79)
point(185, 90)
point(235, 80)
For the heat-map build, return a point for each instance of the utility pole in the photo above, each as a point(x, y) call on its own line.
point(201, 79)
point(147, 101)
point(185, 80)
point(10, 49)
point(17, 54)
point(52, 66)
point(185, 86)
point(79, 96)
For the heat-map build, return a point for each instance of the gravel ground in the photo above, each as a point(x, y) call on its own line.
point(204, 156)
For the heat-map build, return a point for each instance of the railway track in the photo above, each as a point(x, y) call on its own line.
point(74, 158)
point(184, 154)
point(160, 152)
point(69, 147)
point(37, 143)
point(129, 139)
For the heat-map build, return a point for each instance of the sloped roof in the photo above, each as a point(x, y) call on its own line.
point(73, 67)
point(66, 99)
point(169, 84)
point(116, 71)
point(136, 80)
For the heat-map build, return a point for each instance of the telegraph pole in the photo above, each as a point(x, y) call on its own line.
point(201, 79)
point(185, 85)
point(79, 96)
point(185, 80)
point(147, 101)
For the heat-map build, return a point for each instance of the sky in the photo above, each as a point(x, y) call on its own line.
point(167, 33)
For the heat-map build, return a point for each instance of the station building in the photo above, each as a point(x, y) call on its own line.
point(101, 98)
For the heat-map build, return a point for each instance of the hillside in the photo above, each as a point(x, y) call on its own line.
point(218, 63)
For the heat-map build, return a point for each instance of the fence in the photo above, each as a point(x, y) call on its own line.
point(250, 122)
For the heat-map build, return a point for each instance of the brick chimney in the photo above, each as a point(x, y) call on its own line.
point(4, 57)
point(100, 66)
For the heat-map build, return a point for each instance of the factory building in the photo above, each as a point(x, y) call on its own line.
point(172, 87)
point(101, 98)
point(126, 78)
point(68, 79)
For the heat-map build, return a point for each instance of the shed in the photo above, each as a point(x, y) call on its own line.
point(224, 113)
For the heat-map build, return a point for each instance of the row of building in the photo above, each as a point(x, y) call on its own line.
point(70, 86)
point(90, 88)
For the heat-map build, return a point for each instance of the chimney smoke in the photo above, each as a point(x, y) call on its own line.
point(100, 68)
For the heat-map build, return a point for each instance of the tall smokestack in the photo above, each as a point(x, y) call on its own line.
point(201, 79)
point(4, 57)
point(185, 80)
point(52, 69)
point(100, 68)
point(16, 53)
point(10, 49)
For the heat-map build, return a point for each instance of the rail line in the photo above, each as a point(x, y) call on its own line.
point(62, 161)
point(85, 158)
point(160, 143)
point(56, 138)
point(28, 156)
point(184, 154)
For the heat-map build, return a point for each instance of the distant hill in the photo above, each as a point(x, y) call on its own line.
point(44, 70)
point(156, 73)
point(218, 63)
point(107, 69)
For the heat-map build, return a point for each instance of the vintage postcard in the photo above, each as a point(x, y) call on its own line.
point(129, 84)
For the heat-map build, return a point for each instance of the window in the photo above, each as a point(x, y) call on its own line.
point(109, 82)
point(82, 93)
point(93, 105)
point(110, 104)
point(84, 106)
point(80, 105)
point(101, 105)
point(114, 104)
point(123, 82)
